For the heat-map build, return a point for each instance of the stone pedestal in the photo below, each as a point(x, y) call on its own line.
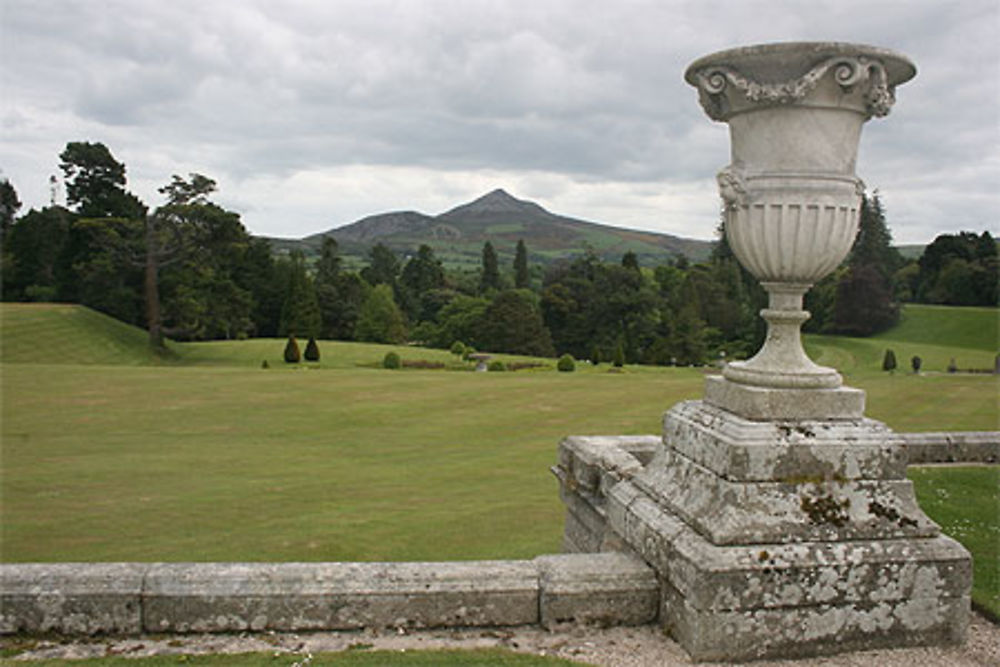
point(780, 538)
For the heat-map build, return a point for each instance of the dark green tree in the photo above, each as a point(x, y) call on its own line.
point(889, 361)
point(490, 277)
point(292, 350)
point(513, 324)
point(422, 274)
point(95, 183)
point(864, 302)
point(9, 206)
point(380, 319)
point(522, 278)
point(383, 266)
point(959, 269)
point(619, 358)
point(630, 261)
point(300, 311)
point(32, 252)
point(312, 350)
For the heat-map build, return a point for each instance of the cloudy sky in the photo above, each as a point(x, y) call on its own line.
point(311, 114)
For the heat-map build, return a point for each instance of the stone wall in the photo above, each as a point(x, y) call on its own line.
point(958, 447)
point(132, 598)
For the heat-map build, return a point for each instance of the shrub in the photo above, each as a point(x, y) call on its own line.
point(458, 348)
point(312, 350)
point(496, 366)
point(915, 363)
point(619, 360)
point(423, 363)
point(952, 366)
point(595, 355)
point(566, 364)
point(292, 354)
point(264, 364)
point(391, 361)
point(889, 361)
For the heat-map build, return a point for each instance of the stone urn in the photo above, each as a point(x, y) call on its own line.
point(791, 197)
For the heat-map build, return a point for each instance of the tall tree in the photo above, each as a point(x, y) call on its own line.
point(864, 303)
point(300, 315)
point(522, 279)
point(380, 320)
point(383, 266)
point(32, 255)
point(422, 274)
point(490, 277)
point(9, 205)
point(95, 183)
point(513, 323)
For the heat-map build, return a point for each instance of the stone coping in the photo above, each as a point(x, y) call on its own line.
point(133, 598)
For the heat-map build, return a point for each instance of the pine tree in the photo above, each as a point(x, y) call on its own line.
point(889, 361)
point(490, 279)
point(312, 350)
point(864, 303)
point(300, 310)
point(522, 279)
point(292, 350)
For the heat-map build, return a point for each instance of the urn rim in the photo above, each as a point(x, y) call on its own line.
point(774, 62)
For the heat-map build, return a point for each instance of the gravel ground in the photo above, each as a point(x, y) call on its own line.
point(612, 647)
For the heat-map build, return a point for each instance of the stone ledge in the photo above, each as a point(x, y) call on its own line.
point(955, 447)
point(763, 404)
point(130, 598)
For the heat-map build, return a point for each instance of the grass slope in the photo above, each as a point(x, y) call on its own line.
point(67, 333)
point(937, 334)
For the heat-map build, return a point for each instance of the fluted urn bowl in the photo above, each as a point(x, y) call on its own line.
point(791, 197)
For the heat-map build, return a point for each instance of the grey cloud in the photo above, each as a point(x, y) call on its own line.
point(588, 90)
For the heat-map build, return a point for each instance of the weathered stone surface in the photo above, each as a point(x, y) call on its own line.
point(744, 450)
point(811, 631)
point(769, 600)
point(960, 447)
point(606, 589)
point(215, 597)
point(884, 578)
point(71, 598)
point(797, 510)
point(767, 403)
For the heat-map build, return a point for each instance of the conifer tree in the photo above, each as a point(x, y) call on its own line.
point(522, 279)
point(312, 350)
point(490, 279)
point(292, 350)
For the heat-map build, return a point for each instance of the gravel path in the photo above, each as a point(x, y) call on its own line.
point(613, 647)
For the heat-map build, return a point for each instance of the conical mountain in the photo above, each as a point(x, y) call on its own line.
point(495, 203)
point(457, 236)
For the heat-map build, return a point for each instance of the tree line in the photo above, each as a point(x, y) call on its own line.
point(189, 270)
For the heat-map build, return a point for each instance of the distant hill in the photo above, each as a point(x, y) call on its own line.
point(457, 236)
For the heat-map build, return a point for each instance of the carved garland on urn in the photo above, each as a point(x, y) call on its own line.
point(848, 72)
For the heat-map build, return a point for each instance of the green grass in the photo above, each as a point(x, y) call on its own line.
point(64, 333)
point(477, 658)
point(341, 460)
point(965, 502)
point(215, 463)
point(971, 328)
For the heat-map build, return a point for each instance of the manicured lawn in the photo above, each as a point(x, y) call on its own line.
point(148, 463)
point(965, 502)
